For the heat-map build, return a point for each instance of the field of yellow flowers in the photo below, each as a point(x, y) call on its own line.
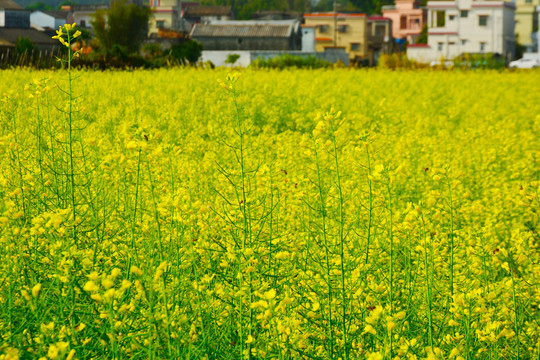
point(329, 214)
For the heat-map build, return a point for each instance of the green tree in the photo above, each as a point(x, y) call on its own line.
point(65, 3)
point(24, 46)
point(422, 39)
point(187, 52)
point(38, 6)
point(232, 58)
point(123, 26)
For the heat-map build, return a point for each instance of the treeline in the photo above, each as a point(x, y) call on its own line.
point(244, 9)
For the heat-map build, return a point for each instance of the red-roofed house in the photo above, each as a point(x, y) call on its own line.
point(379, 37)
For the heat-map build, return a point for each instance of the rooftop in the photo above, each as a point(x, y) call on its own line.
point(332, 14)
point(11, 35)
point(10, 4)
point(239, 31)
point(196, 11)
point(57, 14)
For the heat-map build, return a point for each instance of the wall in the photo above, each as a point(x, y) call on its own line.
point(412, 31)
point(308, 39)
point(43, 20)
point(247, 44)
point(2, 18)
point(218, 57)
point(167, 11)
point(423, 54)
point(17, 19)
point(355, 32)
point(246, 57)
point(524, 21)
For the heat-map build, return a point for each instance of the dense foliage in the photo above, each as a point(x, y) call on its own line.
point(276, 215)
point(122, 28)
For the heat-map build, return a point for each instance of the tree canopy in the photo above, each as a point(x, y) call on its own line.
point(123, 26)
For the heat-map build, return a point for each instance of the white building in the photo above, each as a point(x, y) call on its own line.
point(48, 19)
point(467, 26)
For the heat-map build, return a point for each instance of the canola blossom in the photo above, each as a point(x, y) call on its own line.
point(302, 214)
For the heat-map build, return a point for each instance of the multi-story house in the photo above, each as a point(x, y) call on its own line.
point(527, 23)
point(467, 26)
point(379, 37)
point(407, 19)
point(340, 30)
point(82, 15)
point(167, 15)
point(207, 14)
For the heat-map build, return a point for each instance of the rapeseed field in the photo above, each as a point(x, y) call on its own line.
point(302, 214)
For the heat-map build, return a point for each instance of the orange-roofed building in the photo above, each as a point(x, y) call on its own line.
point(340, 30)
point(407, 19)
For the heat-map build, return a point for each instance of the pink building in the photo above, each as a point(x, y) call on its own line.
point(407, 19)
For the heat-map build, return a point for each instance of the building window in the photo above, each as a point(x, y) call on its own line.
point(82, 23)
point(160, 24)
point(451, 17)
point(342, 28)
point(483, 46)
point(154, 3)
point(403, 22)
point(463, 42)
point(355, 46)
point(464, 13)
point(439, 46)
point(482, 20)
point(441, 18)
point(380, 30)
point(323, 29)
point(528, 1)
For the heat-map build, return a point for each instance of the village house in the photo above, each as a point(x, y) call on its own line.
point(13, 16)
point(206, 14)
point(276, 15)
point(167, 16)
point(249, 35)
point(15, 24)
point(82, 14)
point(465, 26)
point(379, 37)
point(527, 23)
point(340, 30)
point(407, 19)
point(48, 19)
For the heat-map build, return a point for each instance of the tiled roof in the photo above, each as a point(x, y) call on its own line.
point(57, 14)
point(378, 17)
point(331, 14)
point(37, 37)
point(9, 4)
point(6, 43)
point(196, 11)
point(251, 30)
